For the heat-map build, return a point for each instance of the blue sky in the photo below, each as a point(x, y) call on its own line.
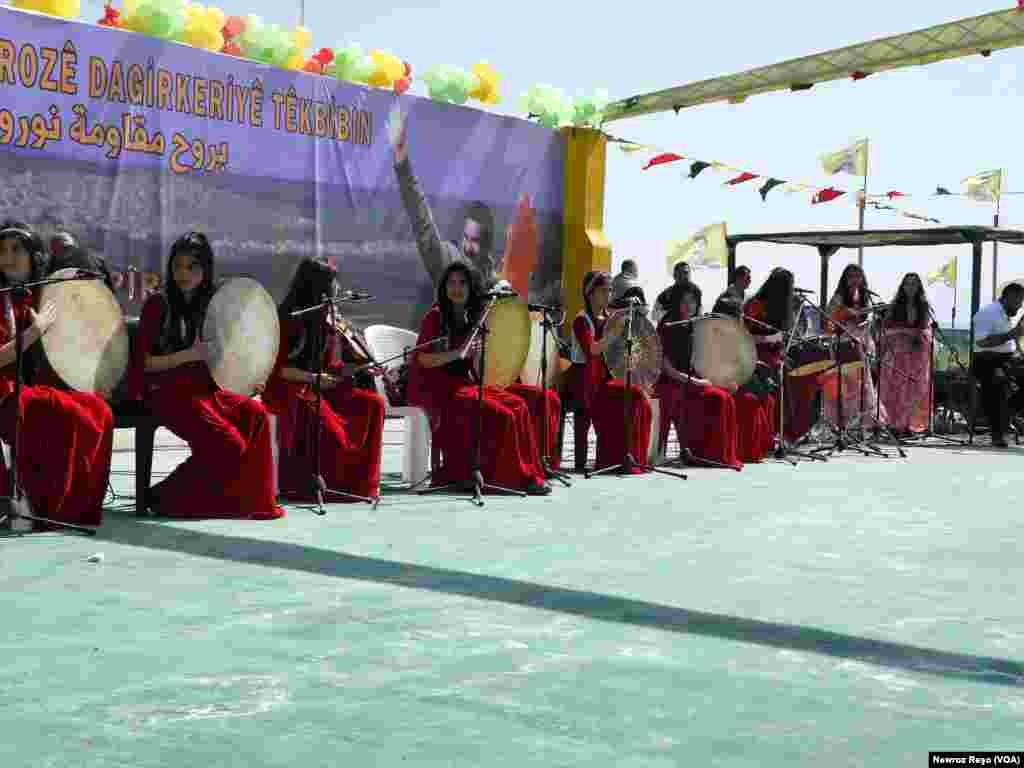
point(928, 126)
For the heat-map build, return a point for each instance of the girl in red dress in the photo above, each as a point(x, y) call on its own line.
point(65, 438)
point(230, 473)
point(706, 412)
point(352, 419)
point(604, 396)
point(440, 381)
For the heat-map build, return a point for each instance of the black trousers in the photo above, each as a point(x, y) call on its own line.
point(995, 374)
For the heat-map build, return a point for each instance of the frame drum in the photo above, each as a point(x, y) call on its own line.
point(244, 333)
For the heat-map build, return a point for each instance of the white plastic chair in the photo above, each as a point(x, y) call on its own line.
point(387, 341)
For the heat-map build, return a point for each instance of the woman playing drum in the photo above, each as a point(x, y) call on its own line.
point(440, 381)
point(904, 385)
point(230, 473)
point(352, 428)
point(706, 412)
point(770, 315)
point(604, 396)
point(66, 438)
point(848, 308)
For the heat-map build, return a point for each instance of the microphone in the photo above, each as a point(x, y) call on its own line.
point(801, 290)
point(88, 274)
point(500, 293)
point(543, 308)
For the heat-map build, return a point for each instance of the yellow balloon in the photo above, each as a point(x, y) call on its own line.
point(216, 18)
point(302, 38)
point(296, 62)
point(129, 8)
point(379, 78)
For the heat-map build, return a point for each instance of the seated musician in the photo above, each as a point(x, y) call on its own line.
point(352, 419)
point(849, 309)
point(441, 382)
point(65, 437)
point(680, 276)
point(65, 253)
point(994, 347)
point(706, 412)
point(230, 472)
point(593, 332)
point(904, 384)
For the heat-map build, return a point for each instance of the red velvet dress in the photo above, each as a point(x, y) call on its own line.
point(605, 401)
point(707, 413)
point(230, 472)
point(64, 443)
point(762, 413)
point(509, 455)
point(351, 432)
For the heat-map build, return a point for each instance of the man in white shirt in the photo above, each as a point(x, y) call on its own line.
point(994, 347)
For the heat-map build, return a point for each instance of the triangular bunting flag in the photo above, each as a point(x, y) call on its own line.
point(697, 167)
point(945, 275)
point(741, 179)
point(667, 157)
point(826, 195)
point(893, 195)
point(768, 186)
point(942, 191)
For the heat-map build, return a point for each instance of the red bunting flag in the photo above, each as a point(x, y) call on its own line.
point(894, 195)
point(745, 176)
point(827, 195)
point(668, 157)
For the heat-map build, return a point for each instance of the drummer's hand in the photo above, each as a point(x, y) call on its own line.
point(43, 319)
point(327, 381)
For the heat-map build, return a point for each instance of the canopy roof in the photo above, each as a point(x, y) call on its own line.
point(978, 34)
point(874, 238)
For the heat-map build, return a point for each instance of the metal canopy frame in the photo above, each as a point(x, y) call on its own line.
point(966, 37)
point(829, 243)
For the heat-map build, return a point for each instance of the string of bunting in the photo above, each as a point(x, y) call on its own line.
point(739, 176)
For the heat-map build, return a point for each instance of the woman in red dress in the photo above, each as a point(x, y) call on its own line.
point(604, 396)
point(352, 419)
point(441, 382)
point(706, 412)
point(65, 438)
point(904, 384)
point(230, 473)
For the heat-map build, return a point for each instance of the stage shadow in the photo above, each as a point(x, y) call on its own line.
point(124, 529)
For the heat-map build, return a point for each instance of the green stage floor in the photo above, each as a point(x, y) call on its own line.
point(861, 612)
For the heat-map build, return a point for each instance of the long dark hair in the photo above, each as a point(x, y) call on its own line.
point(313, 282)
point(843, 288)
point(591, 281)
point(901, 303)
point(74, 256)
point(30, 240)
point(450, 324)
point(184, 318)
point(679, 351)
point(777, 294)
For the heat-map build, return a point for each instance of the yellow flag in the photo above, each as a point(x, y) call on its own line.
point(985, 187)
point(852, 159)
point(946, 275)
point(707, 248)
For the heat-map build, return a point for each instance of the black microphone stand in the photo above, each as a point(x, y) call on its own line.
point(840, 440)
point(15, 506)
point(930, 432)
point(317, 483)
point(686, 456)
point(477, 480)
point(629, 463)
point(550, 473)
point(783, 452)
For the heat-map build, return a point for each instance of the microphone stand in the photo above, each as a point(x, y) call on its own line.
point(550, 473)
point(880, 428)
point(840, 442)
point(686, 456)
point(629, 463)
point(15, 506)
point(479, 486)
point(930, 432)
point(319, 487)
point(783, 451)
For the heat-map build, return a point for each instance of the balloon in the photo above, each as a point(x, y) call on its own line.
point(296, 61)
point(346, 62)
point(325, 56)
point(485, 83)
point(302, 38)
point(402, 85)
point(231, 48)
point(233, 26)
point(407, 69)
point(65, 9)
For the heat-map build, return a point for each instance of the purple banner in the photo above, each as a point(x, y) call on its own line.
point(128, 142)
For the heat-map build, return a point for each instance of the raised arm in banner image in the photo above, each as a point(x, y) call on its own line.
point(477, 240)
